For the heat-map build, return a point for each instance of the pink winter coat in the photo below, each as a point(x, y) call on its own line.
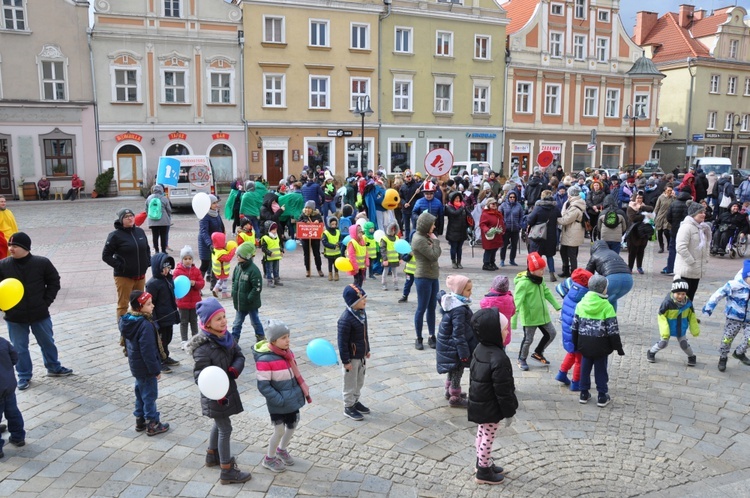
point(503, 302)
point(193, 296)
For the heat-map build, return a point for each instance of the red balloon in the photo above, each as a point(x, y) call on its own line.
point(140, 218)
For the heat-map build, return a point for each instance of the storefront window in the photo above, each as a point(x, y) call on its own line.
point(581, 157)
point(478, 151)
point(318, 154)
point(221, 160)
point(178, 150)
point(611, 156)
point(400, 156)
point(439, 145)
point(352, 158)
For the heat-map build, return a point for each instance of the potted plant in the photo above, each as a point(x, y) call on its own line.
point(59, 170)
point(101, 185)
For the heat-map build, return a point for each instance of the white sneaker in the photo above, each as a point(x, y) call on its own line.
point(183, 345)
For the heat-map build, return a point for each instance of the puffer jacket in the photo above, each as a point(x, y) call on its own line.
point(247, 284)
point(353, 338)
point(208, 226)
point(41, 283)
point(161, 288)
point(455, 340)
point(660, 211)
point(8, 359)
point(141, 343)
point(266, 209)
point(503, 302)
point(512, 215)
point(312, 191)
point(492, 392)
point(193, 296)
point(678, 211)
point(692, 257)
point(573, 232)
point(207, 352)
point(530, 302)
point(491, 218)
point(456, 230)
point(426, 250)
point(276, 381)
point(534, 190)
point(127, 251)
point(594, 329)
point(675, 319)
point(737, 294)
point(605, 261)
point(572, 298)
point(166, 208)
point(545, 211)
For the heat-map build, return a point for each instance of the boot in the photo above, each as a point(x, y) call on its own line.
point(552, 277)
point(259, 337)
point(278, 283)
point(330, 276)
point(212, 457)
point(231, 474)
point(456, 400)
point(722, 364)
point(320, 272)
point(308, 274)
point(458, 264)
point(155, 427)
point(742, 357)
point(336, 276)
point(447, 389)
point(565, 272)
point(403, 299)
point(140, 424)
point(495, 468)
point(485, 475)
point(453, 264)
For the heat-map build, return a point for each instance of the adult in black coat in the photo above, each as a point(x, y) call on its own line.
point(701, 185)
point(455, 233)
point(409, 193)
point(267, 213)
point(534, 189)
point(677, 212)
point(610, 265)
point(545, 211)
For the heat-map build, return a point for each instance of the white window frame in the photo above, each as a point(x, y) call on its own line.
point(186, 84)
point(487, 39)
point(714, 83)
point(273, 91)
point(113, 79)
point(441, 38)
point(732, 85)
point(404, 33)
point(280, 31)
point(641, 101)
point(355, 37)
point(590, 101)
point(556, 47)
point(729, 121)
point(442, 104)
point(579, 9)
point(55, 80)
point(229, 73)
point(745, 122)
point(734, 49)
point(711, 125)
point(14, 18)
point(408, 83)
point(552, 99)
point(580, 46)
point(602, 49)
point(356, 96)
point(326, 94)
point(481, 103)
point(612, 103)
point(603, 15)
point(528, 96)
point(173, 3)
point(556, 9)
point(315, 26)
point(747, 87)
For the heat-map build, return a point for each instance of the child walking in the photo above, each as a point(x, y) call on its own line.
point(737, 293)
point(388, 255)
point(281, 382)
point(492, 392)
point(410, 266)
point(356, 253)
point(531, 292)
point(8, 403)
point(455, 340)
point(595, 335)
point(354, 349)
point(144, 356)
point(500, 297)
point(214, 346)
point(165, 314)
point(572, 291)
point(247, 285)
point(676, 316)
point(220, 262)
point(331, 248)
point(186, 304)
point(273, 251)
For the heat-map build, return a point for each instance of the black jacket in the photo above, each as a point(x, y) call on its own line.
point(207, 352)
point(406, 191)
point(127, 251)
point(678, 211)
point(8, 358)
point(701, 185)
point(266, 211)
point(545, 211)
point(353, 340)
point(41, 283)
point(161, 288)
point(456, 230)
point(455, 340)
point(605, 261)
point(533, 191)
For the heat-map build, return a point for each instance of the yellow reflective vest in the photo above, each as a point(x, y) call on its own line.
point(334, 240)
point(273, 245)
point(360, 251)
point(390, 250)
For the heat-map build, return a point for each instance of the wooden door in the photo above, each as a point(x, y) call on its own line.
point(129, 171)
point(6, 179)
point(274, 167)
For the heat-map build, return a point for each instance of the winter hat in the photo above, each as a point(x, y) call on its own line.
point(213, 198)
point(746, 268)
point(681, 285)
point(353, 294)
point(598, 284)
point(535, 262)
point(275, 330)
point(695, 208)
point(490, 200)
point(310, 205)
point(457, 283)
point(574, 191)
point(246, 250)
point(207, 309)
point(21, 240)
point(537, 170)
point(138, 298)
point(581, 276)
point(271, 225)
point(186, 251)
point(500, 283)
point(123, 213)
point(245, 221)
point(331, 219)
point(219, 240)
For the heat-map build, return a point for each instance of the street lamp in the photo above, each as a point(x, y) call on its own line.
point(736, 120)
point(633, 118)
point(363, 109)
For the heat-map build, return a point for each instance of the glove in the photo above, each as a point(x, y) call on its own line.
point(223, 401)
point(620, 352)
point(706, 311)
point(233, 372)
point(508, 421)
point(466, 362)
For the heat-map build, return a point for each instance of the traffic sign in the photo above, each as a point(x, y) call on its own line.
point(545, 158)
point(591, 147)
point(438, 162)
point(697, 138)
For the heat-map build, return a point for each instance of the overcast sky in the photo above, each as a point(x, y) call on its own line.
point(628, 8)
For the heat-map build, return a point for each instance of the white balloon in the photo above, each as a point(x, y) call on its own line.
point(201, 204)
point(361, 222)
point(378, 235)
point(213, 382)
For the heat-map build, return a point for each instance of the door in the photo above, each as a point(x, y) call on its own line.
point(6, 179)
point(129, 168)
point(274, 166)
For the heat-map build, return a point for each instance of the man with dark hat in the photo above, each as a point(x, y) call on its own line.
point(41, 283)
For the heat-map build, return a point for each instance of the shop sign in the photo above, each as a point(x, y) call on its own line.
point(481, 135)
point(720, 135)
point(178, 135)
point(340, 133)
point(520, 148)
point(554, 148)
point(220, 136)
point(128, 136)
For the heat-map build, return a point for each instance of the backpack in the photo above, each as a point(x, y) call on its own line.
point(611, 219)
point(154, 209)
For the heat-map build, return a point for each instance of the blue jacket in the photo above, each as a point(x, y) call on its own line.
point(434, 207)
point(8, 358)
point(207, 226)
point(560, 200)
point(141, 342)
point(353, 339)
point(737, 293)
point(455, 339)
point(572, 298)
point(512, 215)
point(312, 191)
point(276, 381)
point(161, 288)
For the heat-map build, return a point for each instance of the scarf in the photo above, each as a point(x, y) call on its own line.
point(292, 364)
point(464, 300)
point(704, 231)
point(213, 213)
point(534, 279)
point(226, 342)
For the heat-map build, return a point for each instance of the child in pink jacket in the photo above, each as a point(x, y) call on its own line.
point(500, 297)
point(186, 304)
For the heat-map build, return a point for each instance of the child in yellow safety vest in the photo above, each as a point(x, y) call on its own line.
point(372, 247)
point(220, 262)
point(245, 232)
point(410, 266)
point(273, 251)
point(389, 255)
point(331, 249)
point(356, 252)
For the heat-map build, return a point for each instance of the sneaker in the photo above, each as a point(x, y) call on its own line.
point(384, 287)
point(140, 424)
point(63, 372)
point(722, 366)
point(651, 357)
point(523, 365)
point(744, 359)
point(513, 263)
point(23, 384)
point(602, 400)
point(562, 377)
point(17, 442)
point(403, 299)
point(285, 457)
point(691, 361)
point(171, 362)
point(361, 408)
point(418, 345)
point(640, 270)
point(432, 342)
point(165, 369)
point(274, 464)
point(352, 413)
point(584, 397)
point(155, 428)
point(540, 358)
point(502, 264)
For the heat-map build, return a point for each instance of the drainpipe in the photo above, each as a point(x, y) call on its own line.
point(96, 107)
point(505, 114)
point(381, 18)
point(241, 41)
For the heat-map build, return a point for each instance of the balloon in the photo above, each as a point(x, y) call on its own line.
point(231, 245)
point(378, 235)
point(402, 247)
point(201, 204)
point(322, 353)
point(140, 218)
point(11, 292)
point(361, 222)
point(181, 286)
point(343, 264)
point(290, 245)
point(213, 382)
point(346, 240)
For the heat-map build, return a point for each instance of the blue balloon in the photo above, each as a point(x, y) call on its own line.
point(346, 240)
point(290, 245)
point(181, 286)
point(322, 353)
point(402, 246)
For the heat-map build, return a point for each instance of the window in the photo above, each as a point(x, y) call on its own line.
point(729, 121)
point(745, 122)
point(14, 15)
point(360, 89)
point(171, 8)
point(401, 153)
point(715, 82)
point(481, 98)
point(580, 12)
point(361, 36)
point(612, 103)
point(221, 88)
point(732, 85)
point(523, 97)
point(555, 44)
point(318, 33)
point(709, 151)
point(319, 92)
point(602, 49)
point(747, 87)
point(641, 104)
point(53, 80)
point(734, 48)
point(174, 87)
point(482, 47)
point(590, 102)
point(273, 29)
point(556, 9)
point(611, 156)
point(126, 85)
point(58, 157)
point(401, 95)
point(275, 94)
point(711, 120)
point(579, 47)
point(552, 99)
point(443, 100)
point(444, 44)
point(402, 43)
point(582, 157)
point(603, 15)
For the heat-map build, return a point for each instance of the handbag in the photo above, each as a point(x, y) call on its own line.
point(726, 201)
point(538, 232)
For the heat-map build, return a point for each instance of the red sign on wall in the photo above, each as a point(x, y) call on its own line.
point(128, 136)
point(220, 136)
point(178, 135)
point(309, 230)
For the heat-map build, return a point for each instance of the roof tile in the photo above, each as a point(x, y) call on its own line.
point(519, 13)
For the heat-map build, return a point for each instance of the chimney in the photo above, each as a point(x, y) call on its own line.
point(699, 15)
point(644, 23)
point(685, 15)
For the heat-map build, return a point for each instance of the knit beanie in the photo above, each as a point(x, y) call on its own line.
point(581, 276)
point(352, 294)
point(331, 219)
point(310, 205)
point(695, 208)
point(535, 262)
point(246, 250)
point(456, 283)
point(500, 283)
point(275, 329)
point(245, 221)
point(598, 284)
point(21, 240)
point(574, 191)
point(207, 309)
point(681, 285)
point(138, 298)
point(186, 251)
point(213, 198)
point(123, 213)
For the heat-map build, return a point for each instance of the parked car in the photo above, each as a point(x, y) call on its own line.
point(459, 167)
point(739, 175)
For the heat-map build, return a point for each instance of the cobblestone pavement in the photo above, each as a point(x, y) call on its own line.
point(670, 430)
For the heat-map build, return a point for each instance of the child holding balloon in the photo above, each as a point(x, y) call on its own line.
point(186, 302)
point(354, 349)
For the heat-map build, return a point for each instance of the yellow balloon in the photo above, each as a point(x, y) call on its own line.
point(11, 293)
point(231, 245)
point(343, 264)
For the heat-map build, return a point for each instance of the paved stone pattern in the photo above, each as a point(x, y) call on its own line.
point(670, 430)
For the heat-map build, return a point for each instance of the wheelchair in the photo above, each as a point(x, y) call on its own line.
point(736, 244)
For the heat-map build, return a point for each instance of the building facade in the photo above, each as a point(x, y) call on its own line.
point(47, 115)
point(169, 82)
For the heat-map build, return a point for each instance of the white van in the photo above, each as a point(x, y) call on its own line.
point(460, 166)
point(196, 175)
point(718, 165)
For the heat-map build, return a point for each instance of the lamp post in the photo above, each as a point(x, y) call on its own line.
point(633, 118)
point(736, 120)
point(363, 109)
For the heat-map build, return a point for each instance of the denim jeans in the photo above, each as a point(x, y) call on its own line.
point(427, 290)
point(408, 283)
point(615, 246)
point(601, 377)
point(456, 250)
point(406, 222)
point(618, 284)
point(146, 392)
point(219, 438)
point(327, 209)
point(672, 255)
point(271, 269)
point(19, 337)
point(9, 410)
point(239, 319)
